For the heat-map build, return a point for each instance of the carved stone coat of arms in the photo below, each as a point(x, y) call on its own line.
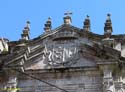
point(61, 55)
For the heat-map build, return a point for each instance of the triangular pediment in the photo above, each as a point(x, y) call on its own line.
point(65, 46)
point(86, 56)
point(67, 32)
point(43, 57)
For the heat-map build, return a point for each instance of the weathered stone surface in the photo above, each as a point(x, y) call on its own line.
point(72, 81)
point(68, 57)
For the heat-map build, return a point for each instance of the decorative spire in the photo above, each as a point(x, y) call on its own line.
point(108, 27)
point(87, 24)
point(48, 25)
point(26, 30)
point(67, 18)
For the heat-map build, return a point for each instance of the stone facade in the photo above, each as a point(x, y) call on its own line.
point(65, 59)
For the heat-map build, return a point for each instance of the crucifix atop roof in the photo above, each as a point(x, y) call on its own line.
point(68, 13)
point(67, 18)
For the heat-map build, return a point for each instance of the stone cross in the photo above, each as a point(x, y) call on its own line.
point(68, 13)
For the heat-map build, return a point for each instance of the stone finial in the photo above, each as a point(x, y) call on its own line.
point(108, 27)
point(48, 25)
point(26, 30)
point(28, 24)
point(87, 24)
point(108, 16)
point(67, 18)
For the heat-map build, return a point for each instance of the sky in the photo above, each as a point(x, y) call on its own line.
point(15, 13)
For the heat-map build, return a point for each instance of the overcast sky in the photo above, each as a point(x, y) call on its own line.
point(15, 13)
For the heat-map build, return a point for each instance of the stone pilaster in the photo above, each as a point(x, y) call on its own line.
point(108, 68)
point(108, 83)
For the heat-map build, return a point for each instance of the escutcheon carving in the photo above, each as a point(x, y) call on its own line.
point(61, 55)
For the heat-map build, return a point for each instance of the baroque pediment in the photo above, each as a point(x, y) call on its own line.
point(61, 57)
point(68, 56)
point(65, 46)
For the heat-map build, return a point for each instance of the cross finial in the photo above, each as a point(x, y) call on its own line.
point(68, 13)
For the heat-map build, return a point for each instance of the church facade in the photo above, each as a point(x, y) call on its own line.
point(64, 59)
